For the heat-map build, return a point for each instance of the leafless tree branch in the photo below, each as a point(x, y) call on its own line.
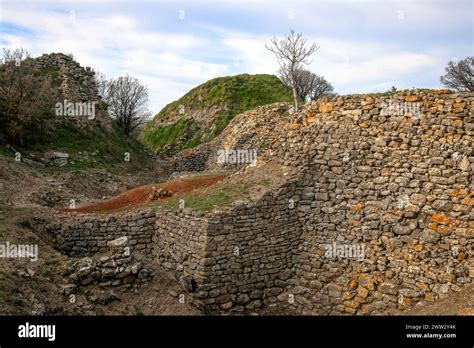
point(127, 101)
point(460, 75)
point(291, 52)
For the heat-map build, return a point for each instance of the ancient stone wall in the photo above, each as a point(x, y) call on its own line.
point(253, 130)
point(77, 84)
point(89, 234)
point(249, 255)
point(393, 185)
point(378, 218)
point(179, 243)
point(235, 260)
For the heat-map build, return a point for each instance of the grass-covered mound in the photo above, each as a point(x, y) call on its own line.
point(202, 113)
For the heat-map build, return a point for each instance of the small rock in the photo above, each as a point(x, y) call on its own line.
point(118, 242)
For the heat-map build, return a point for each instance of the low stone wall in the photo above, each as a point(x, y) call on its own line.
point(179, 244)
point(190, 161)
point(239, 259)
point(89, 234)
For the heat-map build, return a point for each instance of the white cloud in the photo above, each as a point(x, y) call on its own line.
point(116, 45)
point(251, 54)
point(170, 63)
point(118, 22)
point(342, 62)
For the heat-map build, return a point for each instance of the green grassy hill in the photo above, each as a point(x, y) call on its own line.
point(202, 113)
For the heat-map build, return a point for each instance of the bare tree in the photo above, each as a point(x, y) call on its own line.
point(321, 88)
point(101, 83)
point(15, 56)
point(26, 96)
point(460, 75)
point(127, 101)
point(292, 52)
point(309, 86)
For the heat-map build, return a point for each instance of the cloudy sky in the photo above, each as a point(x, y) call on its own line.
point(172, 46)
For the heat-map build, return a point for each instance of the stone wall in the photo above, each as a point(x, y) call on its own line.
point(77, 84)
point(249, 255)
point(378, 217)
point(179, 243)
point(399, 185)
point(255, 129)
point(237, 259)
point(89, 234)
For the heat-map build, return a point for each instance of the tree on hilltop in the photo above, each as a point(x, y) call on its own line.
point(292, 52)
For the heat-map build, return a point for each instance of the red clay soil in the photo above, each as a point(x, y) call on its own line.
point(142, 194)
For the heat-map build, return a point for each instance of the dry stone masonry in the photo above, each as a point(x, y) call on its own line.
point(378, 218)
point(87, 234)
point(398, 184)
point(77, 84)
point(120, 269)
point(76, 80)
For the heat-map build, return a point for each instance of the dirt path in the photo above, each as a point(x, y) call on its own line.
point(141, 195)
point(457, 303)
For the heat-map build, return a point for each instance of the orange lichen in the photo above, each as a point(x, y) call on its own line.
point(405, 301)
point(326, 107)
point(352, 284)
point(466, 311)
point(455, 192)
point(429, 296)
point(346, 295)
point(352, 304)
point(293, 126)
point(441, 219)
point(467, 201)
point(438, 228)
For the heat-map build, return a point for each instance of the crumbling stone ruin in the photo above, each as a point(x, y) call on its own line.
point(120, 269)
point(77, 85)
point(378, 217)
